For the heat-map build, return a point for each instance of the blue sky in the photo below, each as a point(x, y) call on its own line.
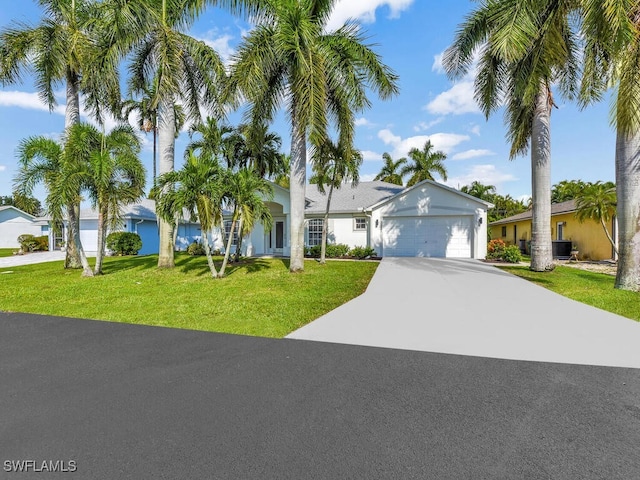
point(410, 35)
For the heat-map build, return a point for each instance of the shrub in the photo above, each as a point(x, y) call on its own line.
point(495, 248)
point(499, 250)
point(362, 252)
point(27, 242)
point(511, 254)
point(42, 243)
point(196, 249)
point(124, 243)
point(333, 251)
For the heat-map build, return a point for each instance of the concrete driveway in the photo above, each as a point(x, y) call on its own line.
point(31, 258)
point(471, 308)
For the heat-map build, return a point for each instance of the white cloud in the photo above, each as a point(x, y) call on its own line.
point(437, 63)
point(26, 100)
point(368, 177)
point(422, 126)
point(3, 168)
point(364, 10)
point(485, 174)
point(475, 130)
point(457, 100)
point(220, 43)
point(444, 142)
point(361, 122)
point(474, 153)
point(368, 155)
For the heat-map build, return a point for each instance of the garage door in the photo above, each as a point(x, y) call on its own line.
point(446, 237)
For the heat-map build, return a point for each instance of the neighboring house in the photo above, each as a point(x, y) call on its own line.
point(14, 222)
point(426, 220)
point(566, 232)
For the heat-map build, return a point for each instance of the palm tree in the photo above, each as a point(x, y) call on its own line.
point(263, 150)
point(198, 188)
point(246, 192)
point(478, 190)
point(598, 202)
point(322, 76)
point(185, 70)
point(116, 176)
point(334, 165)
point(566, 190)
point(425, 162)
point(612, 52)
point(212, 135)
point(62, 170)
point(391, 170)
point(522, 52)
point(62, 49)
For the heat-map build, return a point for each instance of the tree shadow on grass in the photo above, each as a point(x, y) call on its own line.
point(120, 264)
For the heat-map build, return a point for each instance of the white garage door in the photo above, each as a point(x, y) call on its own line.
point(445, 237)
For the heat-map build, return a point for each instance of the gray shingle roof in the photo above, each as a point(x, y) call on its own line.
point(556, 209)
point(144, 209)
point(347, 199)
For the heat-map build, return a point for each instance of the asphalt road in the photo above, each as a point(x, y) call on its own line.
point(133, 402)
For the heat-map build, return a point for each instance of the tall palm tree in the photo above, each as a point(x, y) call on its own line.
point(208, 138)
point(612, 58)
point(333, 165)
point(263, 150)
point(391, 170)
point(425, 162)
point(523, 49)
point(185, 70)
point(246, 193)
point(115, 177)
point(62, 48)
point(321, 76)
point(198, 187)
point(598, 202)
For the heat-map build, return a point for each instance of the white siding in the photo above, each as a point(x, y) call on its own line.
point(13, 223)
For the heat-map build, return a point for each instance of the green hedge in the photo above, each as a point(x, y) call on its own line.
point(124, 243)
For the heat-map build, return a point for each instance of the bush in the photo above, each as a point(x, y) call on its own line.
point(499, 250)
point(124, 243)
point(362, 252)
point(196, 249)
point(512, 254)
point(333, 251)
point(27, 242)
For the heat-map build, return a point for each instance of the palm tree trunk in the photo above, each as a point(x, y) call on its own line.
point(75, 231)
point(239, 245)
point(606, 232)
point(207, 251)
point(541, 252)
point(102, 235)
point(628, 210)
point(323, 247)
point(298, 179)
point(166, 140)
point(227, 251)
point(72, 110)
point(72, 255)
point(155, 141)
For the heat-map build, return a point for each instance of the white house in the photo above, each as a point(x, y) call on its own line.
point(426, 220)
point(14, 222)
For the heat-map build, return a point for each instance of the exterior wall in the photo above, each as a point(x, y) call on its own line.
point(589, 236)
point(428, 199)
point(148, 231)
point(513, 236)
point(14, 223)
point(341, 229)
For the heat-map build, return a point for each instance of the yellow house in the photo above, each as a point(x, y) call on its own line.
point(566, 233)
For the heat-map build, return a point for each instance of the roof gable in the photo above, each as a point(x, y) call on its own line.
point(556, 209)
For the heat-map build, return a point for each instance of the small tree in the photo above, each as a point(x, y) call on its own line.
point(598, 202)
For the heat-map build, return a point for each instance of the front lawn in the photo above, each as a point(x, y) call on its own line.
point(257, 297)
point(7, 252)
point(595, 289)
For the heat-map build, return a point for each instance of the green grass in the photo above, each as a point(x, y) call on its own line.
point(7, 252)
point(257, 297)
point(595, 289)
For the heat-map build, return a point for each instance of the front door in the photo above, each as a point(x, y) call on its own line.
point(279, 233)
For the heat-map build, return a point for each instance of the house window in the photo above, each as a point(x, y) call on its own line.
point(504, 231)
point(359, 223)
point(227, 230)
point(315, 231)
